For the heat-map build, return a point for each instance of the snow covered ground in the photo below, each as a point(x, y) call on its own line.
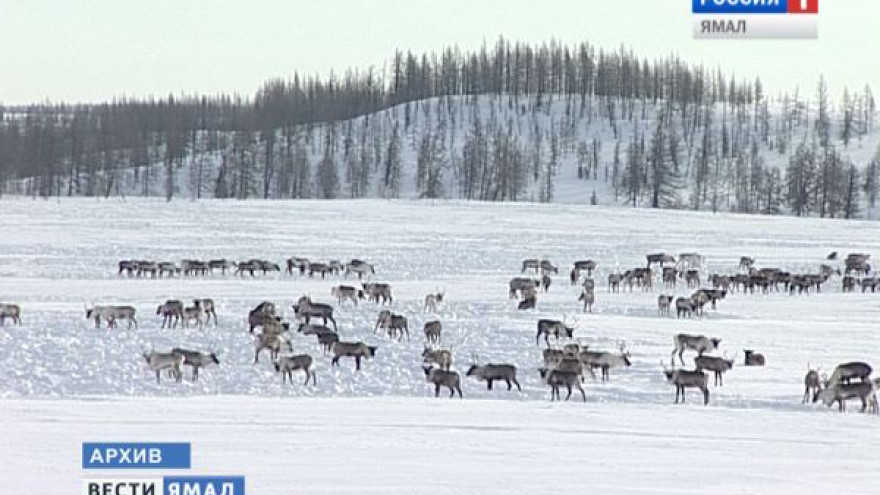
point(417, 445)
point(64, 382)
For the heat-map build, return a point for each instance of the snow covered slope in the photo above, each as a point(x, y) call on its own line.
point(553, 135)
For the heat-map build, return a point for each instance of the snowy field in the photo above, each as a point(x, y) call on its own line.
point(64, 382)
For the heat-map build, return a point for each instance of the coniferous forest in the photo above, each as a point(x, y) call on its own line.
point(508, 122)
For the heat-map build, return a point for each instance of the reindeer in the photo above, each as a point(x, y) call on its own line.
point(433, 330)
point(660, 258)
point(586, 265)
point(305, 309)
point(531, 264)
point(326, 336)
point(394, 324)
point(222, 265)
point(375, 292)
point(554, 327)
point(557, 378)
point(148, 267)
point(12, 311)
point(684, 306)
point(268, 266)
point(828, 270)
point(360, 268)
point(249, 266)
point(193, 267)
point(357, 350)
point(692, 278)
point(336, 267)
point(857, 262)
point(698, 300)
point(753, 358)
point(431, 301)
point(614, 281)
point(530, 300)
point(846, 372)
point(684, 379)
point(286, 365)
point(260, 318)
point(301, 264)
point(440, 357)
point(111, 314)
point(327, 339)
point(711, 295)
point(715, 364)
point(313, 329)
point(691, 260)
point(746, 263)
point(491, 372)
point(606, 360)
point(548, 267)
point(670, 276)
point(572, 363)
point(589, 298)
point(192, 313)
point(545, 282)
point(346, 292)
point(521, 285)
point(720, 281)
point(849, 284)
point(552, 356)
point(129, 266)
point(159, 361)
point(168, 268)
point(207, 307)
point(870, 283)
point(321, 268)
point(276, 343)
point(840, 392)
point(663, 303)
point(443, 378)
point(196, 359)
point(812, 383)
point(698, 343)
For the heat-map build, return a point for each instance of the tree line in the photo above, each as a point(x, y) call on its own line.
point(496, 123)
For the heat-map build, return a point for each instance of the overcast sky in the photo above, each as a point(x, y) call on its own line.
point(94, 50)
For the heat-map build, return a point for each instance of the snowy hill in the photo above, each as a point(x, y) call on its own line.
point(550, 149)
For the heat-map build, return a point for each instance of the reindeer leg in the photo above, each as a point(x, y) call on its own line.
point(517, 385)
point(568, 386)
point(583, 394)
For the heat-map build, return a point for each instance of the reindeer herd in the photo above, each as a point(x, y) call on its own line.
point(252, 267)
point(558, 367)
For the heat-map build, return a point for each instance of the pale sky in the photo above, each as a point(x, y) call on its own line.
point(94, 50)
